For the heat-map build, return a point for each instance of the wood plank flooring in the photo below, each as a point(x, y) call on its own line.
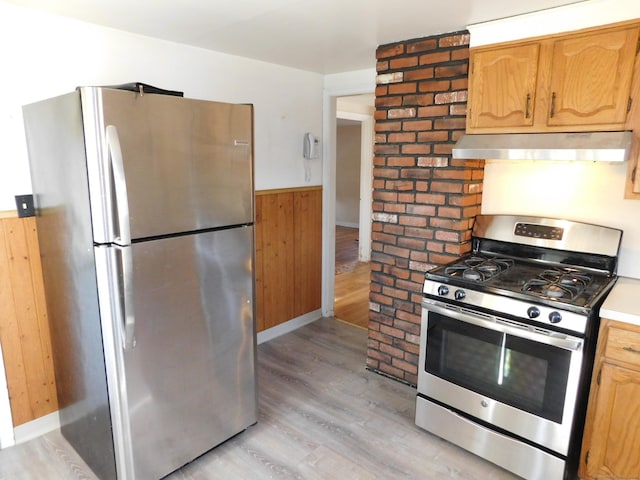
point(322, 415)
point(351, 299)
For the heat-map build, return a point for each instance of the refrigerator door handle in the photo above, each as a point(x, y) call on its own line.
point(120, 185)
point(125, 292)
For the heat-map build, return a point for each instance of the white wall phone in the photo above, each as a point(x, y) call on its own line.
point(311, 146)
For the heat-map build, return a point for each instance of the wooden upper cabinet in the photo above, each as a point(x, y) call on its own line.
point(573, 82)
point(591, 78)
point(503, 86)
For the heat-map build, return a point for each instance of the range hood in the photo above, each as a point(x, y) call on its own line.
point(584, 146)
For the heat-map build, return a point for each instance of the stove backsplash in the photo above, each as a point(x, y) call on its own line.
point(586, 192)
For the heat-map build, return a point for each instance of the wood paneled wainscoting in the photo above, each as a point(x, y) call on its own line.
point(288, 254)
point(24, 327)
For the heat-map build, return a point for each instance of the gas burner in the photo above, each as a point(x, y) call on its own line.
point(558, 283)
point(477, 268)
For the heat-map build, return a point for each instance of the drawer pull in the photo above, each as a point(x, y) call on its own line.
point(631, 349)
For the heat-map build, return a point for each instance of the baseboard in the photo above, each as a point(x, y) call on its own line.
point(35, 428)
point(348, 224)
point(289, 326)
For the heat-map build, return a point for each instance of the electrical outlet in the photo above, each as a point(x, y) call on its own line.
point(24, 205)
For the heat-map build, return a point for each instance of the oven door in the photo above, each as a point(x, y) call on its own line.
point(510, 376)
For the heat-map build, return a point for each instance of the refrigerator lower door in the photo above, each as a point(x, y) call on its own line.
point(189, 376)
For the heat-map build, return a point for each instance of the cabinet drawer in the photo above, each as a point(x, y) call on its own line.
point(623, 345)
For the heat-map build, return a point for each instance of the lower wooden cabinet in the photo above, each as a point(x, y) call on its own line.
point(611, 443)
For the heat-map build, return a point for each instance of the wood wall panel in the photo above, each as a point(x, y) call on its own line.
point(24, 327)
point(308, 251)
point(288, 254)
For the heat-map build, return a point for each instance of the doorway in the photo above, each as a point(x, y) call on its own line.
point(353, 185)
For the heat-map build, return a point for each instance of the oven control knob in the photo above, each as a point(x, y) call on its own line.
point(533, 312)
point(459, 294)
point(555, 317)
point(443, 290)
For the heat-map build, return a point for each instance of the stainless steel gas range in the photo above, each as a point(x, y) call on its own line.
point(508, 339)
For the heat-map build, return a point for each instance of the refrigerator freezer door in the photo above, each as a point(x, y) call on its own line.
point(187, 163)
point(189, 381)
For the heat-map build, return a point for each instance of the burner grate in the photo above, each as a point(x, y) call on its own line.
point(558, 283)
point(478, 269)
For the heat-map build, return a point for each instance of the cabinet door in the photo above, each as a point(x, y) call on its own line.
point(591, 78)
point(615, 446)
point(503, 86)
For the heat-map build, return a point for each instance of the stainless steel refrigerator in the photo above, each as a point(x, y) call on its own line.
point(144, 205)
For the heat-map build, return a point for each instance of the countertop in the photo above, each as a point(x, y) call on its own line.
point(623, 302)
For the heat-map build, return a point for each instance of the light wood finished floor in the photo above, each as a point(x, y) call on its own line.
point(351, 299)
point(321, 416)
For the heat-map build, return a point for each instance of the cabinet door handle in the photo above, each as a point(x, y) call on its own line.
point(631, 350)
point(553, 105)
point(527, 106)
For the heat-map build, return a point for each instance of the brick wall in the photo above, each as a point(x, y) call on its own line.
point(424, 201)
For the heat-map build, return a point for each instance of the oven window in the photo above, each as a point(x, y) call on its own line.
point(522, 373)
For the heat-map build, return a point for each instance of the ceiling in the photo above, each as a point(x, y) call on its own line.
point(324, 36)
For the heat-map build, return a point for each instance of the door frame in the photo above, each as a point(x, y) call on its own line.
point(329, 189)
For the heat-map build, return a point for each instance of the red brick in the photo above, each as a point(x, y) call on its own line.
point(435, 86)
point(458, 109)
point(385, 173)
point(449, 123)
point(416, 149)
point(446, 187)
point(431, 198)
point(413, 222)
point(395, 293)
point(402, 138)
point(387, 51)
point(406, 197)
point(395, 251)
point(442, 148)
point(419, 74)
point(419, 100)
point(448, 224)
point(394, 208)
point(450, 212)
point(426, 210)
point(435, 57)
point(451, 70)
point(386, 149)
point(416, 125)
point(437, 247)
point(382, 66)
point(433, 136)
point(388, 126)
point(442, 259)
point(460, 54)
point(405, 62)
point(416, 173)
point(400, 88)
point(381, 90)
point(385, 196)
point(433, 111)
point(451, 174)
point(422, 45)
point(411, 243)
point(388, 102)
point(425, 233)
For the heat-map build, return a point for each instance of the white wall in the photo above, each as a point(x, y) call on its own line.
point(348, 175)
point(44, 55)
point(588, 192)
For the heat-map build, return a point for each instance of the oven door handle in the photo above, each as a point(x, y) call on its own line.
point(504, 326)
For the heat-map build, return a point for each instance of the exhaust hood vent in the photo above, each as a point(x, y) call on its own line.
point(587, 146)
